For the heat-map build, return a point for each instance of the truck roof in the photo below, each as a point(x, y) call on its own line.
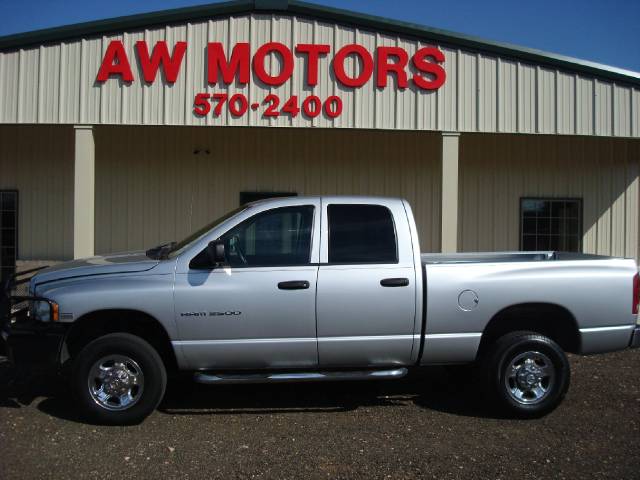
point(332, 198)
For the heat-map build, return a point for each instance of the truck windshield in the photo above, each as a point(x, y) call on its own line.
point(173, 249)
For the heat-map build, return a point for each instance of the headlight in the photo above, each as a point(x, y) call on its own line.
point(44, 310)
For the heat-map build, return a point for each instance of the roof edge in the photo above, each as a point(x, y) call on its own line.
point(463, 40)
point(325, 13)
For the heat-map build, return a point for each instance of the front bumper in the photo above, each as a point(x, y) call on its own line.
point(30, 342)
point(635, 338)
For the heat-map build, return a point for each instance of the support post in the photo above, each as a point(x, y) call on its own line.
point(449, 224)
point(84, 192)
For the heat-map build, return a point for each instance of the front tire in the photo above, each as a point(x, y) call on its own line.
point(527, 374)
point(119, 379)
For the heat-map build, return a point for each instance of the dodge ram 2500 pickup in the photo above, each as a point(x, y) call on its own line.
point(319, 289)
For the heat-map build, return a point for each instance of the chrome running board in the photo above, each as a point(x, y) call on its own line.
point(266, 377)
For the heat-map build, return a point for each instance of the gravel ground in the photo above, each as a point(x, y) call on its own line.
point(427, 426)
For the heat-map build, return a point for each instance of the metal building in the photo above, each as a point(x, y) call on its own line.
point(122, 134)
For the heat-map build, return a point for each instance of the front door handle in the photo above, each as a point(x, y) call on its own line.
point(294, 285)
point(394, 282)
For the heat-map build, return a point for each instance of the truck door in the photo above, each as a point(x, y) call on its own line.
point(258, 311)
point(366, 285)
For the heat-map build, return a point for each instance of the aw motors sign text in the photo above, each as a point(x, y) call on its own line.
point(423, 69)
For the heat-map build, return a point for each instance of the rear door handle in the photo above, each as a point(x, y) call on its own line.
point(294, 285)
point(394, 282)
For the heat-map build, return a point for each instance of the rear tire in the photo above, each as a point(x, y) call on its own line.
point(118, 379)
point(527, 374)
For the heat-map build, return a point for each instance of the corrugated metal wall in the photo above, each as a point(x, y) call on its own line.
point(37, 160)
point(56, 84)
point(497, 170)
point(152, 188)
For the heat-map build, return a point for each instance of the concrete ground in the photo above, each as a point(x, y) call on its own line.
point(429, 425)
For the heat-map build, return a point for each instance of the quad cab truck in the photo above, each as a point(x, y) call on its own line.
point(311, 289)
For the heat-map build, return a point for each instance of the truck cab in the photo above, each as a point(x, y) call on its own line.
point(301, 283)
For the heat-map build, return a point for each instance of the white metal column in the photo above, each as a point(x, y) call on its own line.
point(449, 226)
point(84, 192)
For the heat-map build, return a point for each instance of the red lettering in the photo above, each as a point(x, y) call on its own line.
point(313, 53)
point(384, 67)
point(160, 56)
point(367, 65)
point(115, 62)
point(287, 63)
point(421, 62)
point(236, 67)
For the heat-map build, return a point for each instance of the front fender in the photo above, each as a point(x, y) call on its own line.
point(150, 294)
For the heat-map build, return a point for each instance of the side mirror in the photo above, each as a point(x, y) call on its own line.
point(216, 253)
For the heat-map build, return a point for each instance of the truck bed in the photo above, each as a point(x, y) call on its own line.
point(502, 257)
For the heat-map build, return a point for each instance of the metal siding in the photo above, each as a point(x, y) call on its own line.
point(635, 113)
point(238, 31)
point(56, 84)
point(69, 85)
point(406, 98)
point(151, 187)
point(602, 108)
point(621, 111)
point(324, 34)
point(566, 103)
point(497, 170)
point(366, 99)
point(527, 106)
point(467, 113)
point(487, 99)
point(111, 92)
point(28, 86)
point(38, 162)
point(584, 106)
point(9, 81)
point(507, 96)
point(344, 36)
point(48, 81)
point(546, 96)
point(427, 104)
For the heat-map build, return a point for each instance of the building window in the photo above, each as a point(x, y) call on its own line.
point(8, 232)
point(551, 224)
point(361, 234)
point(248, 197)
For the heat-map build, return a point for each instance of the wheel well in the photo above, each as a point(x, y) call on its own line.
point(548, 319)
point(96, 324)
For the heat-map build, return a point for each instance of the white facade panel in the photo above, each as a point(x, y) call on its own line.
point(566, 103)
point(546, 95)
point(448, 99)
point(507, 92)
point(621, 111)
point(584, 106)
point(467, 68)
point(56, 83)
point(28, 85)
point(69, 99)
point(9, 78)
point(527, 105)
point(487, 97)
point(635, 113)
point(603, 114)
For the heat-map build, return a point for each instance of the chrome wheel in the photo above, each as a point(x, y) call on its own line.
point(529, 377)
point(116, 382)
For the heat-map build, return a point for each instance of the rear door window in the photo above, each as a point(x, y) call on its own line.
point(361, 234)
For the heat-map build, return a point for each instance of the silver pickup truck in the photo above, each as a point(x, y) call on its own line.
point(315, 289)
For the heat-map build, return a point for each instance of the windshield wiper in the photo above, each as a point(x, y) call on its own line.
point(161, 251)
